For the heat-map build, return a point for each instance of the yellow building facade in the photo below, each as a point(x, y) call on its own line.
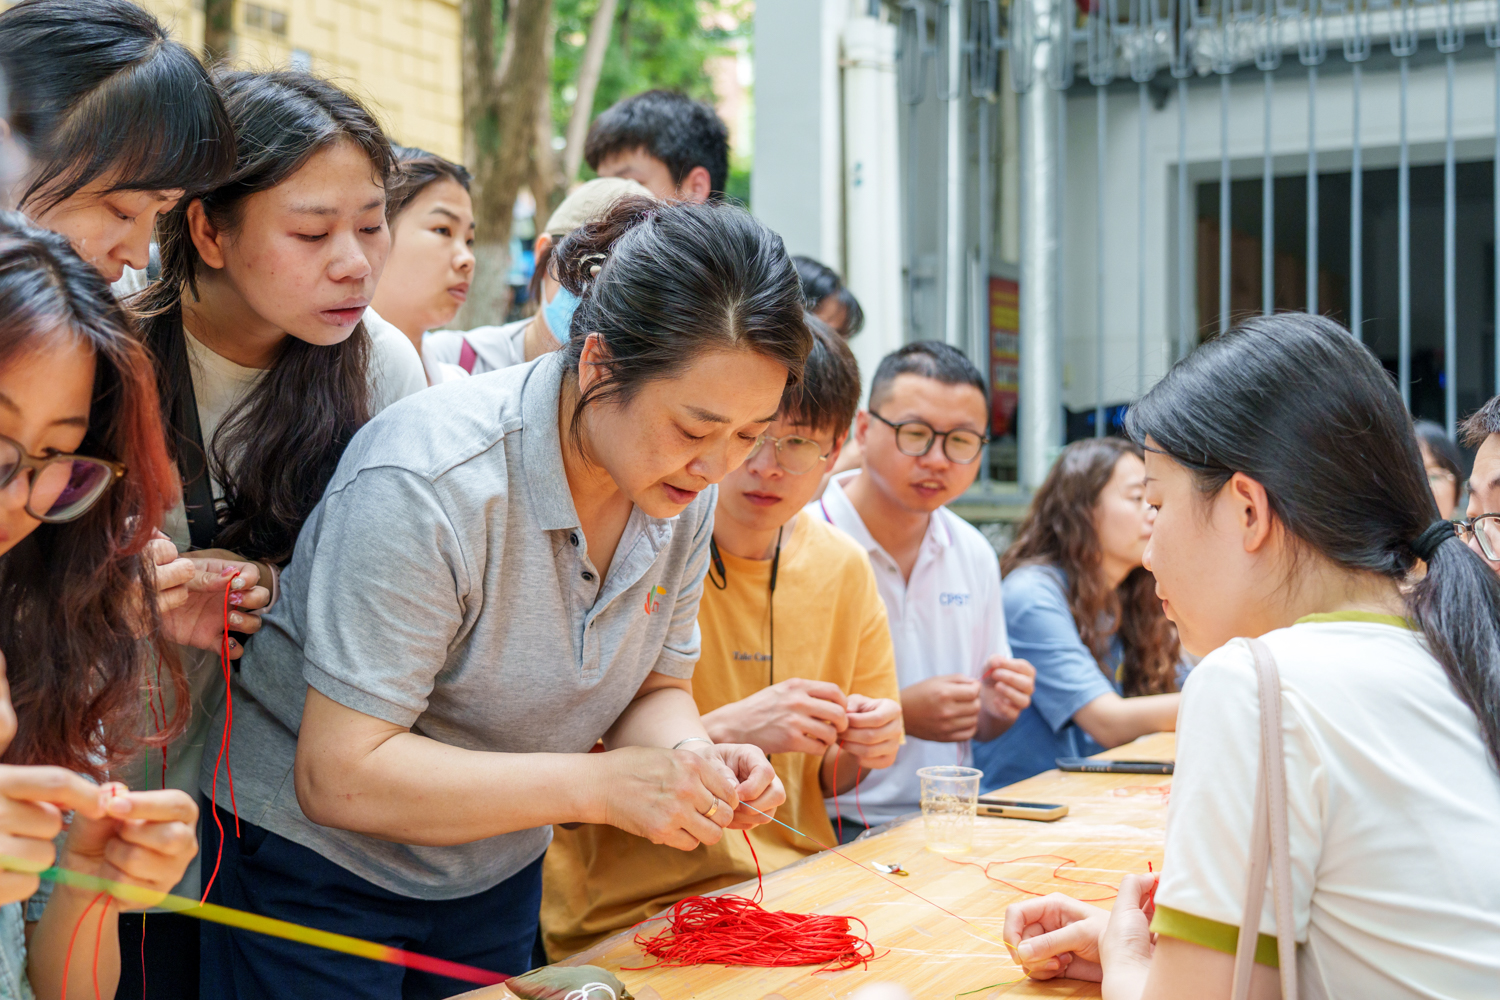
point(401, 57)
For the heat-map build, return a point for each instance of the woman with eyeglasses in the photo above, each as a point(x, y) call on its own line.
point(84, 476)
point(1083, 610)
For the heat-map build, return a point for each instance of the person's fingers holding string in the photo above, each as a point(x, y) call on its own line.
point(672, 797)
point(796, 715)
point(1008, 685)
point(875, 731)
point(1127, 938)
point(1056, 935)
point(32, 802)
point(758, 791)
point(145, 839)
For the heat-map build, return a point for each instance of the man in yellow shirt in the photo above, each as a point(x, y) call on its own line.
point(797, 659)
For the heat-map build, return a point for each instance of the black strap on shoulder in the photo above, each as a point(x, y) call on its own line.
point(192, 463)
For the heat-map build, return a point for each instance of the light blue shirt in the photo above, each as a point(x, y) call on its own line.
point(1041, 630)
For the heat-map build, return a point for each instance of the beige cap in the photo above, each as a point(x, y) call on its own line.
point(591, 200)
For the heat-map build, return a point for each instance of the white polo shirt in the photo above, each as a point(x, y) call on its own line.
point(947, 619)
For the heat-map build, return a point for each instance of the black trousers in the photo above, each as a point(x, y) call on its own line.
point(267, 874)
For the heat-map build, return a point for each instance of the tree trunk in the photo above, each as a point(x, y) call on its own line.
point(218, 30)
point(501, 93)
point(588, 83)
point(548, 184)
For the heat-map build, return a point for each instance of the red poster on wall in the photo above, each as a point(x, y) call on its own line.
point(1005, 336)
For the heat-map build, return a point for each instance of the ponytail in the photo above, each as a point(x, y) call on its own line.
point(1457, 606)
point(1297, 404)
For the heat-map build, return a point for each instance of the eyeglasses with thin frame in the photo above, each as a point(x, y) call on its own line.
point(794, 453)
point(1486, 530)
point(62, 487)
point(914, 438)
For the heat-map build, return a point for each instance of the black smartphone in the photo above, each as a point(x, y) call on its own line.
point(1098, 765)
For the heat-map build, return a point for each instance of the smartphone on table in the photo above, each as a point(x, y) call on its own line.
point(993, 804)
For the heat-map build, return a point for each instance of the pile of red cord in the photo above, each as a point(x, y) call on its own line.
point(733, 930)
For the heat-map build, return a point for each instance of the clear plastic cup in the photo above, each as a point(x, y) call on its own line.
point(950, 800)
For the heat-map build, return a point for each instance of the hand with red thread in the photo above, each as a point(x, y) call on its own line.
point(1056, 937)
point(32, 802)
point(190, 594)
point(144, 839)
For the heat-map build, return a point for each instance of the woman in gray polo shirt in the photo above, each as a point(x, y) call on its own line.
point(503, 571)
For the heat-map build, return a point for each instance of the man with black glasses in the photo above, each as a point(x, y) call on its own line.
point(922, 437)
point(1482, 529)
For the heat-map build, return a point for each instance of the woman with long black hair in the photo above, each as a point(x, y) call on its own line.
point(503, 571)
point(1081, 608)
point(268, 360)
point(1292, 510)
point(83, 476)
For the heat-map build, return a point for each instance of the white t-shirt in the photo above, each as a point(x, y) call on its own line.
point(947, 619)
point(1393, 805)
point(219, 385)
point(495, 347)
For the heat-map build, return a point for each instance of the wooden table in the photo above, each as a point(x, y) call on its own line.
point(1116, 824)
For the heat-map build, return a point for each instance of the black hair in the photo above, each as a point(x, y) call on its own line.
point(415, 169)
point(287, 434)
point(930, 359)
point(1442, 448)
point(1480, 424)
point(672, 127)
point(1296, 403)
point(97, 89)
point(819, 281)
point(828, 393)
point(675, 280)
point(76, 600)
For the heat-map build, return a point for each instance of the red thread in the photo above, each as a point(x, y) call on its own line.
point(1150, 896)
point(837, 811)
point(98, 938)
point(223, 751)
point(143, 956)
point(733, 930)
point(68, 958)
point(1165, 791)
point(1056, 873)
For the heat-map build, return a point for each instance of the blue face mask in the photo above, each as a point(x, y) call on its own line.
point(559, 314)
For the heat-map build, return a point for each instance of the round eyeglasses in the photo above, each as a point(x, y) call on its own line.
point(794, 453)
point(915, 437)
point(62, 487)
point(1485, 529)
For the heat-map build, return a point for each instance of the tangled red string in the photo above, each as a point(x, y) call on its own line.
point(1056, 873)
point(1165, 791)
point(733, 930)
point(224, 749)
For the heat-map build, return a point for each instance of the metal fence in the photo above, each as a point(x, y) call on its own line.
point(1054, 46)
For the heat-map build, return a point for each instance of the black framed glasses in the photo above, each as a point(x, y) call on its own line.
point(62, 487)
point(915, 437)
point(1485, 529)
point(794, 453)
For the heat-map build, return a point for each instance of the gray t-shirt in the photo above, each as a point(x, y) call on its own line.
point(443, 583)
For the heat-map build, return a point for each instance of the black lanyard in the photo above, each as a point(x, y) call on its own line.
point(723, 581)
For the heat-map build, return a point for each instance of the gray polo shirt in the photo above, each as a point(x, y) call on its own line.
point(443, 583)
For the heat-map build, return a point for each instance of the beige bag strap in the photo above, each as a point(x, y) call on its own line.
point(1269, 840)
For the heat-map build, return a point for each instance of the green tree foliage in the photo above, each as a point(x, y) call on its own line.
point(655, 43)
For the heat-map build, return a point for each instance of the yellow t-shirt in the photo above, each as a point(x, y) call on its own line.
point(830, 626)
